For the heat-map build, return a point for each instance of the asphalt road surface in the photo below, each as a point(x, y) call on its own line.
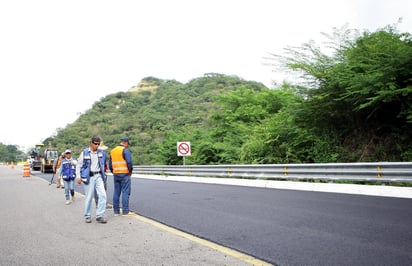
point(284, 227)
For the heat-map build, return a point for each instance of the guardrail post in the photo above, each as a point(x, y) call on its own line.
point(379, 171)
point(285, 169)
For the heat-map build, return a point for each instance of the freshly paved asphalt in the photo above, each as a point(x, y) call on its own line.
point(37, 228)
point(284, 226)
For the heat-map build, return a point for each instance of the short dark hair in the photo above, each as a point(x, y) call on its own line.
point(95, 139)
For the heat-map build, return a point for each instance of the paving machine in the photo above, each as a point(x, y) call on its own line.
point(43, 159)
point(35, 157)
point(50, 155)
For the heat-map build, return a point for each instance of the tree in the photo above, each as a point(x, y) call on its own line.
point(8, 153)
point(362, 92)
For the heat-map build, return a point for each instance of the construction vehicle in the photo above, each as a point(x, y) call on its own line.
point(35, 157)
point(50, 155)
point(44, 161)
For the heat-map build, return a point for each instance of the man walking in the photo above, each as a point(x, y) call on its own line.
point(67, 172)
point(121, 165)
point(91, 171)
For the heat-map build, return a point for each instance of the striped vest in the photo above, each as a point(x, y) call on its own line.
point(119, 164)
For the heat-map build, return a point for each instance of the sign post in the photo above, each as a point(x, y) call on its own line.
point(183, 149)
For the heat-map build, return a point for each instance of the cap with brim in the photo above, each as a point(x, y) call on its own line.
point(67, 151)
point(125, 139)
point(102, 146)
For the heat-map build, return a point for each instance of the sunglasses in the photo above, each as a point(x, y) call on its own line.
point(96, 143)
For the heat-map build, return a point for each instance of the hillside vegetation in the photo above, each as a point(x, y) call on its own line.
point(354, 104)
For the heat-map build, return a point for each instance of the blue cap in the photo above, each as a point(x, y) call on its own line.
point(125, 139)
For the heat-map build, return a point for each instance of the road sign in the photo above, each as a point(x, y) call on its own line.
point(183, 148)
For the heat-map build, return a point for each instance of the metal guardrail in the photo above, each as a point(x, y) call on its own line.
point(381, 171)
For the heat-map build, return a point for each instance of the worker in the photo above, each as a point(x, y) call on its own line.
point(56, 170)
point(91, 172)
point(68, 174)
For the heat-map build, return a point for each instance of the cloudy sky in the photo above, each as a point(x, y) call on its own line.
point(59, 57)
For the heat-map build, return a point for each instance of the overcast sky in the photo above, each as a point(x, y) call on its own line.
point(59, 57)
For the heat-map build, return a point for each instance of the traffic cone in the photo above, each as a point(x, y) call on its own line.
point(26, 170)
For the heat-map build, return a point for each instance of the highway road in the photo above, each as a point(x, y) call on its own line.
point(284, 227)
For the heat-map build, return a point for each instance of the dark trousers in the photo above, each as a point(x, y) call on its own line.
point(122, 187)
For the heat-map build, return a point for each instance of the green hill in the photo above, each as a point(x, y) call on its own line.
point(155, 114)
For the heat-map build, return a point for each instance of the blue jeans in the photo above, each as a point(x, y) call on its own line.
point(96, 185)
point(122, 185)
point(68, 188)
point(96, 198)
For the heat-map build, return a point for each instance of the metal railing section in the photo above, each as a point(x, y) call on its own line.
point(381, 171)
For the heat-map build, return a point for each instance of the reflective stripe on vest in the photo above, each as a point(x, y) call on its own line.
point(119, 164)
point(68, 170)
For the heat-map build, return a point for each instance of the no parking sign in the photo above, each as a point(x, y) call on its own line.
point(183, 148)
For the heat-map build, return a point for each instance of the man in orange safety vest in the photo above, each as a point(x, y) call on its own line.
point(121, 165)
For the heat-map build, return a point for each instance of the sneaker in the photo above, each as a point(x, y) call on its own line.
point(88, 220)
point(117, 214)
point(67, 202)
point(58, 186)
point(101, 220)
point(73, 198)
point(108, 206)
point(128, 214)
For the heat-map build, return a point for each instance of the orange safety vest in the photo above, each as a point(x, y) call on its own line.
point(59, 162)
point(119, 164)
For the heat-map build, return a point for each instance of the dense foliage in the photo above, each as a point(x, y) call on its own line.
point(360, 96)
point(10, 153)
point(355, 105)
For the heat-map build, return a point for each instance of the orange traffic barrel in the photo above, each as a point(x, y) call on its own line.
point(26, 170)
